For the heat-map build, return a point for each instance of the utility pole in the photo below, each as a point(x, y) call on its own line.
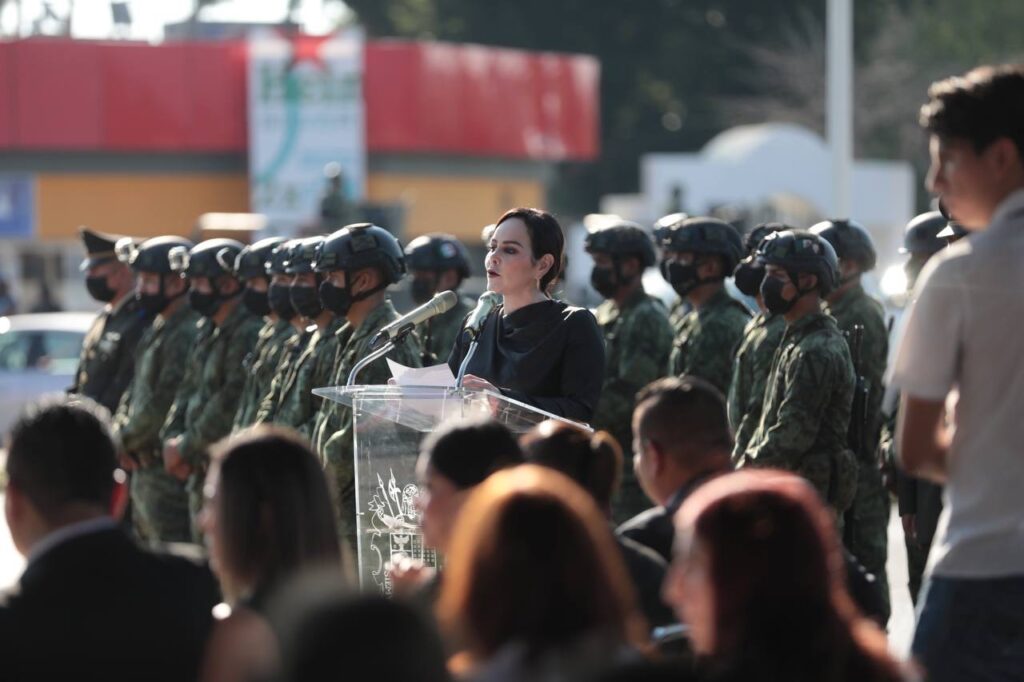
point(839, 89)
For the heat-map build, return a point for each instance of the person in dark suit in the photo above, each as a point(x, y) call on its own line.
point(681, 438)
point(90, 604)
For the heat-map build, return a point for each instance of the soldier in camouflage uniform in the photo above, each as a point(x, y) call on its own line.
point(761, 338)
point(662, 229)
point(253, 267)
point(108, 350)
point(438, 262)
point(699, 253)
point(637, 338)
point(867, 521)
point(919, 500)
point(806, 411)
point(360, 261)
point(159, 501)
point(207, 398)
point(294, 403)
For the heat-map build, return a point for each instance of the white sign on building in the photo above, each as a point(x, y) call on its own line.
point(305, 112)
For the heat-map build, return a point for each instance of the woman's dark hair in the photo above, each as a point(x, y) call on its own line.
point(533, 561)
point(593, 460)
point(328, 631)
point(981, 106)
point(275, 514)
point(467, 452)
point(776, 569)
point(546, 236)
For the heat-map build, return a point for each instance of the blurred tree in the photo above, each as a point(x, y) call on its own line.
point(676, 72)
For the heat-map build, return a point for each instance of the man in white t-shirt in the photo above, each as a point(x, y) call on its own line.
point(963, 333)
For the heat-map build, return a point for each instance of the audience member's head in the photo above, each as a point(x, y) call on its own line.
point(328, 632)
point(976, 123)
point(593, 460)
point(533, 563)
point(758, 578)
point(680, 431)
point(453, 460)
point(61, 459)
point(268, 513)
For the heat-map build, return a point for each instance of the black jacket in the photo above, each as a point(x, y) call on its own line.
point(97, 607)
point(548, 354)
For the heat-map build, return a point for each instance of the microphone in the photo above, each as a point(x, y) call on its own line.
point(475, 322)
point(441, 303)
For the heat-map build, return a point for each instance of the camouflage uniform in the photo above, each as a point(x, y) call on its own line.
point(291, 350)
point(806, 411)
point(159, 501)
point(260, 367)
point(439, 333)
point(108, 352)
point(207, 399)
point(761, 339)
point(637, 339)
point(868, 517)
point(706, 340)
point(297, 407)
point(333, 431)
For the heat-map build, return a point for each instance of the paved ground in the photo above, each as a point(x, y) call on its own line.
point(901, 625)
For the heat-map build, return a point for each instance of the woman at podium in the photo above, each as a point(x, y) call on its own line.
point(533, 348)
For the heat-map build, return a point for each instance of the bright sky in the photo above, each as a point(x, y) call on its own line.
point(93, 18)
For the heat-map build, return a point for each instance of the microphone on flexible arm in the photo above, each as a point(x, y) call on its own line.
point(441, 303)
point(475, 322)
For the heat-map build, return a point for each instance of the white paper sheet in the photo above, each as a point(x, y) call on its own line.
point(435, 375)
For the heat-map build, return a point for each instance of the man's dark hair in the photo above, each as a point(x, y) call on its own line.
point(981, 106)
point(684, 415)
point(60, 451)
point(467, 452)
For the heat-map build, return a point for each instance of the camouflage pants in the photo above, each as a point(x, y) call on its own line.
point(196, 500)
point(340, 472)
point(160, 506)
point(867, 526)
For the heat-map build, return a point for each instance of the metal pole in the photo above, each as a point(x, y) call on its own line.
point(839, 89)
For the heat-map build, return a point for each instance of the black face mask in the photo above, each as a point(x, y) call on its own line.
point(280, 302)
point(682, 276)
point(604, 281)
point(771, 292)
point(748, 278)
point(205, 303)
point(99, 289)
point(158, 302)
point(422, 289)
point(305, 301)
point(336, 299)
point(256, 301)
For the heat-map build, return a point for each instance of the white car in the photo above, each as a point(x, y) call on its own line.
point(38, 355)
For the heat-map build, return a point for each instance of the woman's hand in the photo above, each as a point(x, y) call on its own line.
point(475, 383)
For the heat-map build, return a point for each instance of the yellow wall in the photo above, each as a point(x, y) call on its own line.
point(457, 205)
point(138, 205)
point(150, 205)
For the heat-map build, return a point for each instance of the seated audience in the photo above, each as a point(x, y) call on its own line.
point(453, 461)
point(535, 588)
point(681, 439)
point(327, 632)
point(268, 517)
point(594, 461)
point(758, 578)
point(91, 604)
